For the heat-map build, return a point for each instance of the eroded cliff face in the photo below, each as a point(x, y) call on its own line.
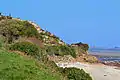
point(82, 53)
point(81, 49)
point(45, 38)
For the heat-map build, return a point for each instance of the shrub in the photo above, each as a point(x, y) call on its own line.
point(67, 50)
point(40, 37)
point(28, 48)
point(75, 74)
point(52, 50)
point(31, 31)
point(52, 65)
point(85, 47)
point(2, 41)
point(9, 17)
point(60, 50)
point(13, 29)
point(2, 17)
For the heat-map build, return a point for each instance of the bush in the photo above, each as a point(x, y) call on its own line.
point(52, 50)
point(2, 17)
point(67, 50)
point(85, 47)
point(75, 74)
point(2, 41)
point(60, 50)
point(27, 47)
point(52, 65)
point(9, 17)
point(13, 29)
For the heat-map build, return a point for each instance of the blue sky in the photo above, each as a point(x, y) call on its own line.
point(96, 22)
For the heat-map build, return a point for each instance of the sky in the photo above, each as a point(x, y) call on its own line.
point(95, 22)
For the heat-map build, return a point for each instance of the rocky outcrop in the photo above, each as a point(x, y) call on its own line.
point(48, 38)
point(82, 53)
point(87, 58)
point(61, 59)
point(83, 46)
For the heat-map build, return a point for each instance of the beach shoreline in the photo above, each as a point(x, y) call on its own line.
point(108, 58)
point(98, 71)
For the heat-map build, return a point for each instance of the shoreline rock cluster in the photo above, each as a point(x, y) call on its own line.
point(111, 63)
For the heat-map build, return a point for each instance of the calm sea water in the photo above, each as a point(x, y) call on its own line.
point(106, 55)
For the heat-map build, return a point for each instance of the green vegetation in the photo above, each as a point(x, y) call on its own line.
point(13, 29)
point(60, 50)
point(19, 66)
point(2, 17)
point(16, 67)
point(1, 41)
point(85, 47)
point(75, 74)
point(27, 47)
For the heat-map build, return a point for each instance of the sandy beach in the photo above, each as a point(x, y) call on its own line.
point(97, 71)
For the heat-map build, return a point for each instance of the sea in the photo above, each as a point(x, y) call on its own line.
point(111, 55)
